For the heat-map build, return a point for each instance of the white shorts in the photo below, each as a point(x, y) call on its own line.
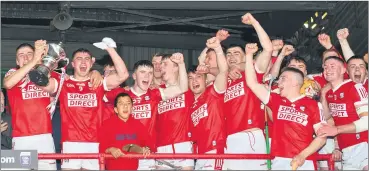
point(281, 163)
point(43, 143)
point(328, 149)
point(146, 164)
point(209, 164)
point(246, 143)
point(80, 147)
point(355, 157)
point(183, 147)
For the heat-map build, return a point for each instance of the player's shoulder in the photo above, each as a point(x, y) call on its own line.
point(10, 71)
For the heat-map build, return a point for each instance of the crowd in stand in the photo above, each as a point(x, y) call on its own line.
point(221, 106)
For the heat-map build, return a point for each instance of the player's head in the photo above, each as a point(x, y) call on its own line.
point(334, 68)
point(357, 69)
point(108, 65)
point(298, 63)
point(196, 81)
point(24, 53)
point(211, 57)
point(123, 106)
point(143, 73)
point(169, 69)
point(290, 80)
point(156, 61)
point(330, 52)
point(82, 62)
point(235, 54)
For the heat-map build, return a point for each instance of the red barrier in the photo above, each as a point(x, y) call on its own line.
point(102, 157)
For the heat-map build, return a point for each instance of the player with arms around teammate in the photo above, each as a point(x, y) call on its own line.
point(121, 130)
point(347, 103)
point(145, 100)
point(31, 119)
point(208, 127)
point(295, 117)
point(173, 120)
point(82, 107)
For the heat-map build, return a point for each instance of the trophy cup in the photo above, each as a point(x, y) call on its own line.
point(54, 59)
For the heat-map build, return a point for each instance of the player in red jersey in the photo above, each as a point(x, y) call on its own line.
point(156, 61)
point(173, 120)
point(357, 69)
point(244, 114)
point(347, 103)
point(145, 100)
point(82, 107)
point(208, 127)
point(31, 119)
point(295, 117)
point(121, 130)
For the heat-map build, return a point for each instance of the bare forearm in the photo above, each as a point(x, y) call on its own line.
point(183, 80)
point(346, 49)
point(276, 66)
point(314, 146)
point(326, 112)
point(119, 65)
point(348, 128)
point(214, 71)
point(202, 56)
point(263, 59)
point(13, 79)
point(221, 60)
point(258, 89)
point(275, 53)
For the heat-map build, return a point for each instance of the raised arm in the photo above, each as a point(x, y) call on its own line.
point(286, 50)
point(182, 86)
point(263, 59)
point(121, 75)
point(221, 79)
point(14, 77)
point(258, 89)
point(277, 45)
point(342, 35)
point(325, 41)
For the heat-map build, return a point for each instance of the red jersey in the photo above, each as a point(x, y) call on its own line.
point(273, 59)
point(114, 132)
point(365, 84)
point(81, 110)
point(173, 122)
point(28, 108)
point(145, 108)
point(208, 121)
point(242, 108)
point(293, 123)
point(343, 102)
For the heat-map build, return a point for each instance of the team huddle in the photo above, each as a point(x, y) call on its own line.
point(220, 106)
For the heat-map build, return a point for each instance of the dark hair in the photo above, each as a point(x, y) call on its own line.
point(294, 70)
point(298, 59)
point(331, 50)
point(25, 45)
point(165, 56)
point(224, 48)
point(192, 69)
point(121, 95)
point(139, 63)
point(335, 58)
point(236, 45)
point(105, 61)
point(359, 58)
point(81, 50)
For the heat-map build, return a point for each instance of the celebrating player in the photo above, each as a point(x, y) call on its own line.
point(295, 117)
point(82, 107)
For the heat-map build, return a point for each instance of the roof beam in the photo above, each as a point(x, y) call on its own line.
point(240, 6)
point(130, 38)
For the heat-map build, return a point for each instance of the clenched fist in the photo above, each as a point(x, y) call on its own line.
point(248, 19)
point(213, 43)
point(177, 58)
point(287, 50)
point(325, 40)
point(251, 48)
point(202, 69)
point(342, 33)
point(277, 44)
point(222, 35)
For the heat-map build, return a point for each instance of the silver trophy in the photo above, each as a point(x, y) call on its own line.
point(54, 59)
